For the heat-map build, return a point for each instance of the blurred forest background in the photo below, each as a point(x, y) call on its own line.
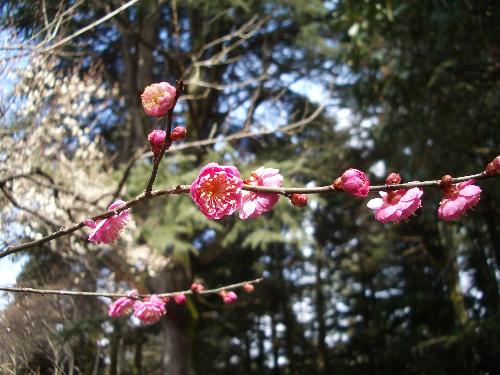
point(308, 86)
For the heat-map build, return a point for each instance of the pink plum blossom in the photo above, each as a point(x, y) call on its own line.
point(458, 198)
point(108, 230)
point(123, 305)
point(156, 139)
point(254, 203)
point(396, 205)
point(354, 182)
point(217, 190)
point(150, 311)
point(158, 99)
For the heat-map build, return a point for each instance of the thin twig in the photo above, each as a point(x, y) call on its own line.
point(184, 189)
point(118, 295)
point(89, 27)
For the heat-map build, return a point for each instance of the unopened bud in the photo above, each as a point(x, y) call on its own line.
point(393, 178)
point(354, 182)
point(493, 168)
point(180, 299)
point(299, 200)
point(249, 288)
point(178, 133)
point(197, 288)
point(156, 139)
point(229, 297)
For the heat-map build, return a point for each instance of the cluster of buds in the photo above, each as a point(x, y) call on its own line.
point(157, 100)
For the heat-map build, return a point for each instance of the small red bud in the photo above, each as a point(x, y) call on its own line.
point(178, 133)
point(197, 288)
point(299, 200)
point(180, 299)
point(249, 288)
point(446, 181)
point(393, 178)
point(337, 184)
point(165, 299)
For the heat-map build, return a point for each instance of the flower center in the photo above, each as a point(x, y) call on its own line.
point(152, 97)
point(393, 197)
point(217, 190)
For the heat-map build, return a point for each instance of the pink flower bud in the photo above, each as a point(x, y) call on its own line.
point(249, 288)
point(354, 182)
point(299, 200)
point(156, 139)
point(178, 133)
point(228, 297)
point(158, 99)
point(180, 299)
point(197, 288)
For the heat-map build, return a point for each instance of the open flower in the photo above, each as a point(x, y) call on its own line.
point(217, 190)
point(253, 203)
point(458, 198)
point(158, 99)
point(396, 205)
point(150, 311)
point(108, 230)
point(354, 182)
point(123, 305)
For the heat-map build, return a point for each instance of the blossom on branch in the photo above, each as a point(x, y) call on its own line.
point(158, 99)
point(396, 205)
point(150, 311)
point(354, 182)
point(123, 305)
point(254, 203)
point(108, 230)
point(217, 190)
point(457, 198)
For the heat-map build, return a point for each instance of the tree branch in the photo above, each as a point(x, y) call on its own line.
point(118, 295)
point(184, 189)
